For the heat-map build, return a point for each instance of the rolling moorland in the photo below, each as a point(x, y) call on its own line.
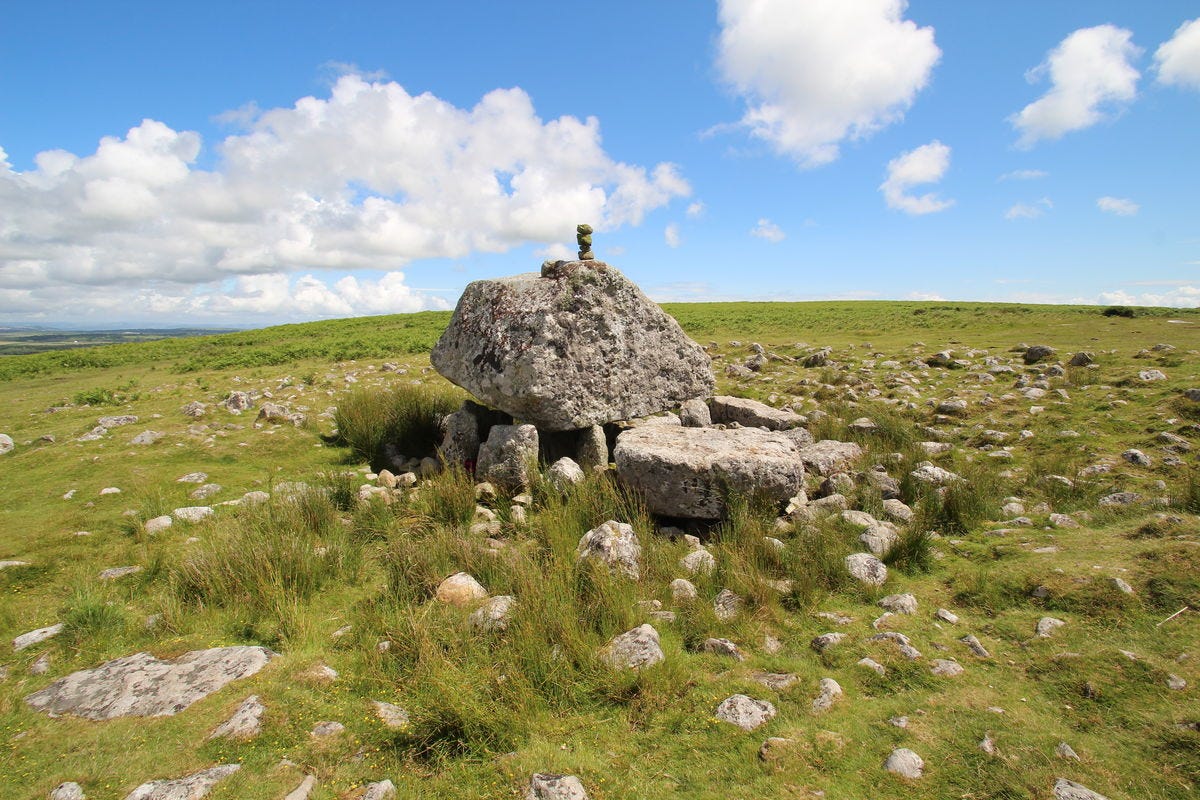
point(1078, 503)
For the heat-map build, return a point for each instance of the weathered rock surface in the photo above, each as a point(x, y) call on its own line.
point(143, 686)
point(189, 787)
point(245, 722)
point(36, 636)
point(633, 649)
point(1070, 790)
point(687, 472)
point(379, 790)
point(905, 763)
point(745, 712)
point(460, 589)
point(866, 568)
point(68, 791)
point(492, 616)
point(507, 455)
point(574, 346)
point(751, 413)
point(615, 544)
point(829, 456)
point(543, 786)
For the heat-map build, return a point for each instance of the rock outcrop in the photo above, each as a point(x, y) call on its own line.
point(575, 346)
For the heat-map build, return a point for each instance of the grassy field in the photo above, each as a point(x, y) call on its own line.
point(325, 579)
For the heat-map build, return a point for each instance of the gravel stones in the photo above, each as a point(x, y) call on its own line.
point(745, 712)
point(577, 345)
point(688, 472)
point(143, 686)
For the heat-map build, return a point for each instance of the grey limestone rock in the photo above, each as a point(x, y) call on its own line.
point(390, 714)
point(751, 413)
point(492, 616)
point(900, 603)
point(687, 472)
point(866, 568)
point(379, 790)
point(6, 443)
point(829, 691)
point(745, 712)
point(633, 649)
point(694, 413)
point(616, 545)
point(507, 455)
point(722, 647)
point(591, 451)
point(143, 686)
point(189, 787)
point(460, 436)
point(577, 345)
point(544, 786)
point(905, 763)
point(829, 456)
point(68, 791)
point(245, 723)
point(564, 473)
point(1047, 625)
point(302, 791)
point(36, 636)
point(1038, 352)
point(1070, 790)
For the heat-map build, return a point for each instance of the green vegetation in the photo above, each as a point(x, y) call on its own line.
point(325, 577)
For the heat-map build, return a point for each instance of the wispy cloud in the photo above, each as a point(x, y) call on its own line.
point(1029, 210)
point(671, 235)
point(1121, 206)
point(1023, 175)
point(765, 229)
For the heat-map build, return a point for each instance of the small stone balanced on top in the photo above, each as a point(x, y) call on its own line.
point(583, 235)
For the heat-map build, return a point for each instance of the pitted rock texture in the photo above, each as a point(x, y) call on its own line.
point(687, 472)
point(141, 685)
point(189, 787)
point(574, 346)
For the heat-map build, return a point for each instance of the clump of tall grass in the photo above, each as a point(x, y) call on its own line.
point(269, 558)
point(913, 551)
point(405, 415)
point(91, 620)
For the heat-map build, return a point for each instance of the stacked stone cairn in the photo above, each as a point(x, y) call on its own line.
point(583, 235)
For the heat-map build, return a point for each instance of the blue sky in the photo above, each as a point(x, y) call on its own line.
point(252, 163)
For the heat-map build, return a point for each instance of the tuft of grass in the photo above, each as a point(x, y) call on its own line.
point(406, 416)
point(91, 620)
point(912, 553)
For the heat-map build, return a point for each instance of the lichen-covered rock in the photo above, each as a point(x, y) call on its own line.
point(905, 763)
point(1070, 790)
point(688, 472)
point(460, 437)
point(543, 786)
point(564, 473)
point(507, 456)
point(829, 456)
point(633, 649)
point(492, 616)
point(866, 568)
point(577, 345)
point(245, 723)
point(141, 685)
point(189, 787)
point(745, 712)
point(615, 544)
point(751, 413)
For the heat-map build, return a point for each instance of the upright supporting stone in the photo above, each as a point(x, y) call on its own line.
point(592, 451)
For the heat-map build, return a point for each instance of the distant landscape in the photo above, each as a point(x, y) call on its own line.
point(24, 341)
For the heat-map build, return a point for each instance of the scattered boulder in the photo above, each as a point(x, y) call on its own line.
point(303, 791)
point(189, 787)
point(727, 605)
point(929, 473)
point(945, 668)
point(1047, 625)
point(829, 691)
point(614, 544)
point(460, 589)
point(68, 791)
point(192, 513)
point(687, 472)
point(157, 524)
point(492, 616)
point(1070, 790)
point(633, 649)
point(143, 686)
point(866, 568)
point(36, 636)
point(244, 724)
point(564, 473)
point(146, 438)
point(194, 409)
point(694, 413)
point(237, 402)
point(391, 715)
point(722, 647)
point(827, 640)
point(829, 456)
point(905, 763)
point(900, 603)
point(745, 712)
point(1151, 375)
point(577, 345)
point(544, 786)
point(1082, 359)
point(683, 590)
point(379, 790)
point(6, 444)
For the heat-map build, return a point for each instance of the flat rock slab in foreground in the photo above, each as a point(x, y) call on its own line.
point(577, 345)
point(687, 472)
point(141, 685)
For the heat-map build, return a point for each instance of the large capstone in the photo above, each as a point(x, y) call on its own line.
point(575, 346)
point(688, 472)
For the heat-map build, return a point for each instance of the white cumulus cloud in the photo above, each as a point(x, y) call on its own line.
point(1179, 297)
point(765, 229)
point(671, 235)
point(1178, 59)
point(816, 72)
point(926, 164)
point(1121, 206)
point(695, 209)
point(1090, 77)
point(368, 178)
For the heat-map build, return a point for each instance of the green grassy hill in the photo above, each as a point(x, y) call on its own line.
point(325, 579)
